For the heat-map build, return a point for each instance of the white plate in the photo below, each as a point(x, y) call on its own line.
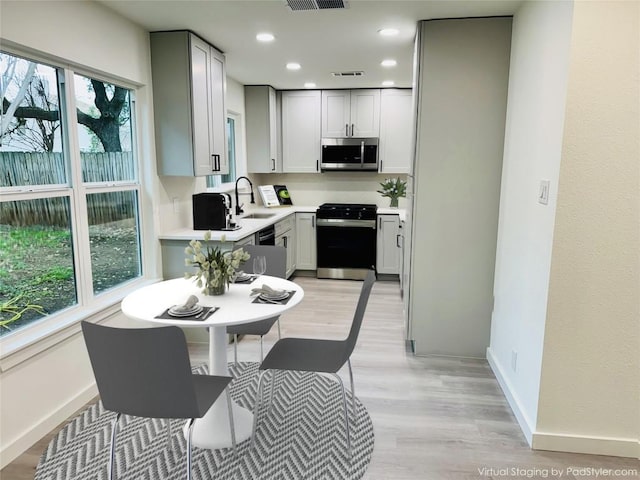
point(275, 297)
point(185, 313)
point(242, 278)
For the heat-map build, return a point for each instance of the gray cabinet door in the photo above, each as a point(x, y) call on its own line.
point(188, 101)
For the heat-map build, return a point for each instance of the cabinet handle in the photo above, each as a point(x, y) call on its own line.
point(346, 129)
point(285, 241)
point(379, 223)
point(216, 163)
point(313, 221)
point(398, 240)
point(317, 165)
point(273, 168)
point(352, 129)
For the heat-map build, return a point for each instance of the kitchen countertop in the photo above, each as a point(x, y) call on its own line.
point(250, 226)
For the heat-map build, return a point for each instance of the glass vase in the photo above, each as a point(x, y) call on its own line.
point(394, 202)
point(215, 289)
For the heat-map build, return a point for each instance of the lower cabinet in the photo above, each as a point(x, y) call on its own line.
point(286, 237)
point(389, 246)
point(306, 241)
point(287, 240)
point(248, 240)
point(173, 255)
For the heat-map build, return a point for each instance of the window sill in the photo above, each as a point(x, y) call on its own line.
point(35, 339)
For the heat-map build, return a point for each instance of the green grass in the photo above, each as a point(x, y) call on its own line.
point(37, 265)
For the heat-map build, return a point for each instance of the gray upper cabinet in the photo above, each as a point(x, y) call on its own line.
point(189, 106)
point(350, 113)
point(396, 131)
point(263, 132)
point(301, 131)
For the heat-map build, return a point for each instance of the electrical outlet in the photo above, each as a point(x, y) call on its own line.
point(514, 360)
point(543, 194)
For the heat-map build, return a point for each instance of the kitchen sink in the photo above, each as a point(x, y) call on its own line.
point(258, 215)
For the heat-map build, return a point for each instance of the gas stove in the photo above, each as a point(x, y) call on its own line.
point(353, 211)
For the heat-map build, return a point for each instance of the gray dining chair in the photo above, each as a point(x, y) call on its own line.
point(276, 267)
point(318, 355)
point(146, 372)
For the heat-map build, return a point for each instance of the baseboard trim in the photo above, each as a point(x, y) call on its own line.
point(525, 423)
point(21, 444)
point(610, 446)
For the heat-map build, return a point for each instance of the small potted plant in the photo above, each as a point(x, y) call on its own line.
point(393, 188)
point(216, 268)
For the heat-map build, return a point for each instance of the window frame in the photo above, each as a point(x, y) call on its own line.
point(43, 333)
point(240, 167)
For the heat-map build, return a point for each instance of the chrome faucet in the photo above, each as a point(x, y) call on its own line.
point(238, 206)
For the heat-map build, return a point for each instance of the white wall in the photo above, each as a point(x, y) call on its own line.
point(463, 97)
point(533, 142)
point(312, 189)
point(39, 390)
point(590, 386)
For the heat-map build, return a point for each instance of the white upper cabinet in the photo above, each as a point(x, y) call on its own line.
point(396, 126)
point(350, 113)
point(301, 131)
point(262, 129)
point(189, 106)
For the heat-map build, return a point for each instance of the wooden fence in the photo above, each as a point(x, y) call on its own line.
point(24, 169)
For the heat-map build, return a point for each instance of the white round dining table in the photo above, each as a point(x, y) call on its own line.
point(234, 307)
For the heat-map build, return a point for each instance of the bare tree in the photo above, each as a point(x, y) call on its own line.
point(38, 134)
point(112, 111)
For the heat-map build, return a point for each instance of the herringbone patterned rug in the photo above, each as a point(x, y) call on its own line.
point(302, 437)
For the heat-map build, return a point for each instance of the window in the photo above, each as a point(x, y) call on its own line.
point(217, 180)
point(69, 190)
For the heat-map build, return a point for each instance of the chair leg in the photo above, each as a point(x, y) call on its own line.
point(261, 349)
point(346, 414)
point(168, 434)
point(256, 408)
point(232, 428)
point(190, 434)
point(235, 348)
point(278, 322)
point(112, 451)
point(353, 393)
point(273, 387)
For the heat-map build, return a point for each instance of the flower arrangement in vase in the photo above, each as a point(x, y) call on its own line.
point(393, 188)
point(216, 267)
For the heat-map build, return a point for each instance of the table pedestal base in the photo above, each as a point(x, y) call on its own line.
point(212, 431)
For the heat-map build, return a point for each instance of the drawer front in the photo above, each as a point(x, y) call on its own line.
point(285, 225)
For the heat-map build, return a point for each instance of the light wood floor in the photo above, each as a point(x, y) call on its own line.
point(434, 418)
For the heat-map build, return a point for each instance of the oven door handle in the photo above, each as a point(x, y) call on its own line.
point(345, 222)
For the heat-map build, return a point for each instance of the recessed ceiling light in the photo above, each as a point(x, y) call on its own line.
point(389, 63)
point(388, 83)
point(293, 66)
point(265, 37)
point(309, 85)
point(388, 32)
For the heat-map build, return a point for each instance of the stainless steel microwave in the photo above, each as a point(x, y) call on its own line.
point(354, 154)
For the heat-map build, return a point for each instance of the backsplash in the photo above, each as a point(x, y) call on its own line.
point(343, 187)
point(307, 189)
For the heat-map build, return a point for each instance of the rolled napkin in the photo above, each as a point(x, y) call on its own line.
point(266, 290)
point(191, 302)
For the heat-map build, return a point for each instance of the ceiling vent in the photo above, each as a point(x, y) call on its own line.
point(298, 5)
point(347, 74)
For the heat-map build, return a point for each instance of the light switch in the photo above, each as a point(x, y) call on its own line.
point(543, 194)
